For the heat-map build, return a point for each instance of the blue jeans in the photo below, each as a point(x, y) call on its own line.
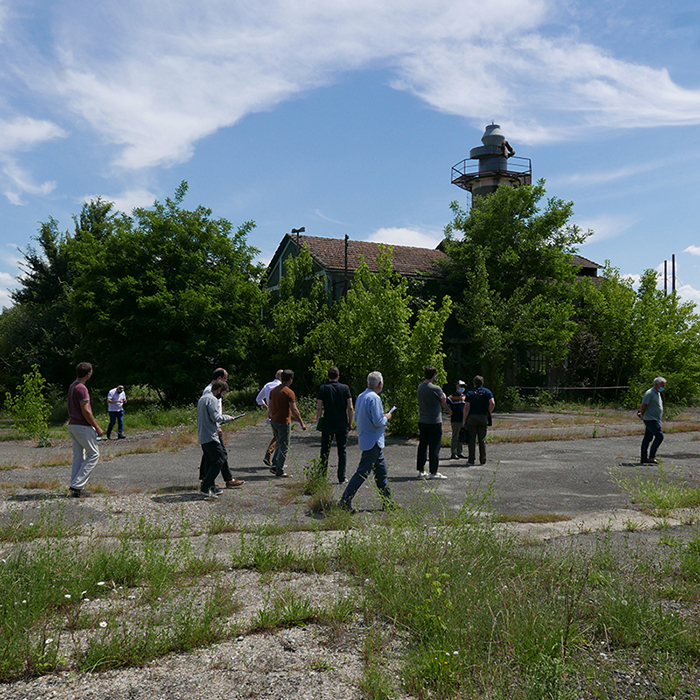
point(429, 444)
point(653, 432)
point(372, 459)
point(341, 440)
point(116, 417)
point(283, 433)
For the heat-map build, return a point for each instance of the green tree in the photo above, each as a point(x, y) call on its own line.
point(295, 310)
point(29, 408)
point(161, 298)
point(514, 260)
point(39, 329)
point(157, 298)
point(373, 328)
point(630, 337)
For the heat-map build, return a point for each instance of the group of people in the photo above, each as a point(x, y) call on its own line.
point(470, 415)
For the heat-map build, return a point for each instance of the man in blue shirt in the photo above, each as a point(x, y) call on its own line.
point(651, 412)
point(370, 419)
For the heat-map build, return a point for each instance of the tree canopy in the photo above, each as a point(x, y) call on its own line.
point(157, 298)
point(514, 261)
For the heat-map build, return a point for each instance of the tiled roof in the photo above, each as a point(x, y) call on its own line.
point(406, 260)
point(580, 261)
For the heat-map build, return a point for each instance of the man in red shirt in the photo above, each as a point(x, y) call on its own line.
point(84, 431)
point(283, 406)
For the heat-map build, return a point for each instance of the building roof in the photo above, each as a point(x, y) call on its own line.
point(580, 261)
point(330, 254)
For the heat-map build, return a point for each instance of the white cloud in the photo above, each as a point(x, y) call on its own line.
point(162, 78)
point(24, 133)
point(127, 201)
point(406, 236)
point(7, 282)
point(693, 250)
point(17, 135)
point(689, 293)
point(605, 227)
point(321, 215)
point(19, 182)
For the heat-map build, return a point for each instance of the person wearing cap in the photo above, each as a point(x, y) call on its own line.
point(456, 403)
point(116, 398)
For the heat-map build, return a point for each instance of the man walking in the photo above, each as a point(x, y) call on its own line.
point(116, 398)
point(477, 411)
point(220, 374)
point(431, 401)
point(84, 431)
point(651, 412)
point(209, 418)
point(262, 399)
point(282, 407)
point(456, 403)
point(371, 422)
point(335, 401)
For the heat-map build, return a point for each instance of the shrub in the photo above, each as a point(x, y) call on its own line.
point(29, 408)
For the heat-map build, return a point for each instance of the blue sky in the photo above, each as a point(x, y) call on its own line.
point(346, 117)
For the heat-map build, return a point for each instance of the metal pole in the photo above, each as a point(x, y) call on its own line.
point(345, 287)
point(673, 273)
point(665, 277)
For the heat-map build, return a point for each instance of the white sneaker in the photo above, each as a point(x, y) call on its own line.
point(437, 475)
point(421, 475)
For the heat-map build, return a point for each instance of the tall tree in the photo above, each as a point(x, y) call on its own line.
point(514, 259)
point(157, 299)
point(374, 328)
point(162, 298)
point(294, 311)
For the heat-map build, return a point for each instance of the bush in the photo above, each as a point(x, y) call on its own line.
point(29, 409)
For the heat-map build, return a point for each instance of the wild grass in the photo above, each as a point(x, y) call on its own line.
point(532, 518)
point(659, 494)
point(458, 610)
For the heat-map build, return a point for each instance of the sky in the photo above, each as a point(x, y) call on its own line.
point(345, 117)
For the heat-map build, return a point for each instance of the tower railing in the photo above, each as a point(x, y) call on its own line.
point(468, 170)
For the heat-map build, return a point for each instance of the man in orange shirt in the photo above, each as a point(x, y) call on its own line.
point(283, 405)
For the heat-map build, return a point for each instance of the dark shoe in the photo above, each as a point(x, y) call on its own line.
point(217, 490)
point(267, 462)
point(121, 437)
point(462, 456)
point(390, 506)
point(210, 494)
point(108, 436)
point(78, 493)
point(484, 462)
point(470, 464)
point(651, 460)
point(234, 483)
point(454, 457)
point(283, 475)
point(343, 481)
point(342, 505)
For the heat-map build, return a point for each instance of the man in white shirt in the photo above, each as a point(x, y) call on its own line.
point(263, 399)
point(116, 399)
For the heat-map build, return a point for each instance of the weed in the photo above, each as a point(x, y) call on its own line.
point(532, 518)
point(287, 610)
point(658, 496)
